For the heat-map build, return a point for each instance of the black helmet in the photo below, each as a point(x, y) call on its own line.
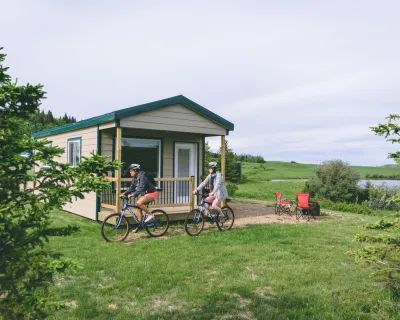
point(134, 166)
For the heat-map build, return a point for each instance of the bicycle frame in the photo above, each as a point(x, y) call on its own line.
point(127, 206)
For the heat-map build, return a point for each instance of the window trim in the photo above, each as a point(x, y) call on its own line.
point(160, 151)
point(80, 148)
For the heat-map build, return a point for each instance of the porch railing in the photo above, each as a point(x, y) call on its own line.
point(176, 192)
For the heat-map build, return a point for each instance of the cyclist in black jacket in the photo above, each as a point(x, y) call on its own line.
point(141, 184)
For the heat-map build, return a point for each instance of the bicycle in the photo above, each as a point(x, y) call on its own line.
point(194, 222)
point(115, 227)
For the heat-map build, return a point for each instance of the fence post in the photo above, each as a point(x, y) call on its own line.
point(191, 193)
point(118, 172)
point(223, 164)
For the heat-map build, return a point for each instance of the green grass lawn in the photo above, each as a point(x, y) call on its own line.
point(286, 170)
point(298, 271)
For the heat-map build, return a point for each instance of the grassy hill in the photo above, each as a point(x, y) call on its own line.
point(286, 170)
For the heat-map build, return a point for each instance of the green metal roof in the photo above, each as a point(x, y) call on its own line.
point(116, 115)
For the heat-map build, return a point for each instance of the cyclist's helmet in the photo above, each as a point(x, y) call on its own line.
point(213, 165)
point(134, 166)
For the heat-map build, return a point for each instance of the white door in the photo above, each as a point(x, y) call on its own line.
point(185, 166)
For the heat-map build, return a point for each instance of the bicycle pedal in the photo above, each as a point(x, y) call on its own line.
point(135, 230)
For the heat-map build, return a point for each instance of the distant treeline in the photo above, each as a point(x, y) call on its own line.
point(45, 120)
point(242, 157)
point(382, 176)
point(249, 158)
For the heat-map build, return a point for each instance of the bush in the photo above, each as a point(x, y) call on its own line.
point(382, 252)
point(336, 181)
point(347, 207)
point(381, 197)
point(232, 188)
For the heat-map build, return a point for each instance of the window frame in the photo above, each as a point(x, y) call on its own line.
point(160, 149)
point(74, 140)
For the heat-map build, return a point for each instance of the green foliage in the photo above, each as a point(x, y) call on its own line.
point(250, 158)
point(377, 176)
point(230, 161)
point(230, 164)
point(382, 197)
point(27, 266)
point(391, 131)
point(39, 120)
point(209, 157)
point(232, 188)
point(383, 252)
point(347, 207)
point(336, 181)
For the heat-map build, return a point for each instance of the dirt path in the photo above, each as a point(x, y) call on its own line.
point(254, 213)
point(245, 214)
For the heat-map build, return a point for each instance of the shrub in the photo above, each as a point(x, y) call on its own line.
point(382, 253)
point(347, 207)
point(232, 188)
point(335, 180)
point(381, 197)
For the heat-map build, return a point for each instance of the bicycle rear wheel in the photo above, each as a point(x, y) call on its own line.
point(194, 222)
point(225, 222)
point(159, 225)
point(115, 228)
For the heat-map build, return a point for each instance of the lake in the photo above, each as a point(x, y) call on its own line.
point(376, 183)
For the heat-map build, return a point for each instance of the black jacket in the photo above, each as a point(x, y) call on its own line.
point(139, 185)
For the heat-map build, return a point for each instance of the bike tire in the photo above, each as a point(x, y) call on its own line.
point(159, 225)
point(194, 227)
point(112, 234)
point(225, 223)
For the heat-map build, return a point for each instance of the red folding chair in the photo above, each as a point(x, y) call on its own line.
point(282, 205)
point(305, 208)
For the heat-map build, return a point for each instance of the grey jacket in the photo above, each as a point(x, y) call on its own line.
point(219, 186)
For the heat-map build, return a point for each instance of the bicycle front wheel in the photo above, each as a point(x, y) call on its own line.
point(225, 221)
point(194, 222)
point(115, 228)
point(159, 225)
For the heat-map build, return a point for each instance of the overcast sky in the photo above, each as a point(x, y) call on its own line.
point(301, 80)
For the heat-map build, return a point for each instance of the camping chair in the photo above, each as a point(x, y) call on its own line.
point(305, 208)
point(282, 205)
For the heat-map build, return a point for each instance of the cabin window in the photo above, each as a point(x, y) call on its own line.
point(74, 151)
point(145, 152)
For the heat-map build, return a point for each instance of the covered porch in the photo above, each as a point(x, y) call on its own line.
point(179, 171)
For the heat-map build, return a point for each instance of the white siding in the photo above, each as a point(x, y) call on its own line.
point(176, 118)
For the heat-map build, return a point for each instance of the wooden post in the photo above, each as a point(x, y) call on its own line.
point(118, 157)
point(223, 162)
point(191, 193)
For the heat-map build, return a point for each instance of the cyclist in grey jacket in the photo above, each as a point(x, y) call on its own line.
point(218, 190)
